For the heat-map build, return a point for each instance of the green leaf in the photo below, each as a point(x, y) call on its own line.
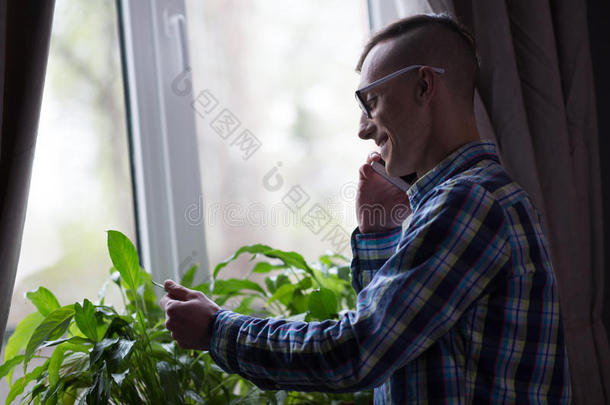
point(188, 277)
point(106, 311)
point(270, 284)
point(53, 326)
point(344, 273)
point(16, 389)
point(322, 304)
point(113, 352)
point(169, 380)
point(99, 392)
point(203, 287)
point(280, 396)
point(44, 300)
point(74, 341)
point(100, 347)
point(283, 294)
point(69, 396)
point(9, 365)
point(74, 363)
point(330, 282)
point(234, 285)
point(119, 377)
point(222, 299)
point(254, 249)
point(85, 319)
point(300, 302)
point(328, 259)
point(292, 259)
point(55, 362)
point(275, 282)
point(120, 325)
point(19, 385)
point(266, 267)
point(192, 395)
point(280, 280)
point(244, 305)
point(19, 339)
point(147, 290)
point(51, 395)
point(119, 353)
point(305, 283)
point(40, 388)
point(124, 258)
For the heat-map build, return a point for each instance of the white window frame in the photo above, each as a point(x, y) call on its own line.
point(162, 138)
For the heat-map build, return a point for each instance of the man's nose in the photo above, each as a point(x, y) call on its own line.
point(366, 128)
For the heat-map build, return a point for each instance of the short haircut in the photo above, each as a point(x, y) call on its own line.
point(456, 52)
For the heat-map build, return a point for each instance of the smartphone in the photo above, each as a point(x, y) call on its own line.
point(403, 182)
point(159, 285)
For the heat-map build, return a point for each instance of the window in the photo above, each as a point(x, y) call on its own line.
point(273, 85)
point(221, 92)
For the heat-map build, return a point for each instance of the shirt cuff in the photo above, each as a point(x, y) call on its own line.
point(374, 249)
point(224, 345)
point(225, 326)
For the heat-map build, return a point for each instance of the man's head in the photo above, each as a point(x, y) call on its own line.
point(419, 116)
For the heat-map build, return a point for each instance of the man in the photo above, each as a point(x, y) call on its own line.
point(462, 305)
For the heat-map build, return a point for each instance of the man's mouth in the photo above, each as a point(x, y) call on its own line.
point(382, 141)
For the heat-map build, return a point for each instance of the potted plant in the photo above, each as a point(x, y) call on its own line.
point(92, 353)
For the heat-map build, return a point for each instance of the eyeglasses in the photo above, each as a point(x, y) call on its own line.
point(364, 107)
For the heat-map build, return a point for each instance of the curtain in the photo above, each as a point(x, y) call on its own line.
point(536, 99)
point(25, 29)
point(537, 85)
point(599, 32)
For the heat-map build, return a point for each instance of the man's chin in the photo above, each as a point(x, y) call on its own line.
point(409, 178)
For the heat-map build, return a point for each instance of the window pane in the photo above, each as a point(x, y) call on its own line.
point(274, 87)
point(80, 185)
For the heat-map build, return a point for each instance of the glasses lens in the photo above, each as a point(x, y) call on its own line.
point(363, 106)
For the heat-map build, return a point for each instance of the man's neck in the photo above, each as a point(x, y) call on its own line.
point(443, 142)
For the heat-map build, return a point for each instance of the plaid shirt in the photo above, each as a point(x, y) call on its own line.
point(460, 307)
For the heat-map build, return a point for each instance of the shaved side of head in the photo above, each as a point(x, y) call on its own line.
point(434, 40)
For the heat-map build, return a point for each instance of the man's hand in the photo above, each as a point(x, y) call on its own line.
point(187, 315)
point(380, 206)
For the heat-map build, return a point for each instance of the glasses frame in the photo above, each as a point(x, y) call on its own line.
point(364, 107)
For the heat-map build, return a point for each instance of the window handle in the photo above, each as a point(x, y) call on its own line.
point(175, 26)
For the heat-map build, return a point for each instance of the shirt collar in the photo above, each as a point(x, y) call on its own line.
point(458, 161)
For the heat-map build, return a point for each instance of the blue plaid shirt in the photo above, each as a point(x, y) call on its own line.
point(459, 307)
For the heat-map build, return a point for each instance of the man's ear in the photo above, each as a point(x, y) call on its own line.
point(426, 85)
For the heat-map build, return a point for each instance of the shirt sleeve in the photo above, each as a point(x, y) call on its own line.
point(369, 252)
point(455, 245)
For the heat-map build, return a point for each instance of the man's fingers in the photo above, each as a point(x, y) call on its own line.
point(372, 157)
point(177, 291)
point(366, 170)
point(368, 173)
point(164, 302)
point(167, 301)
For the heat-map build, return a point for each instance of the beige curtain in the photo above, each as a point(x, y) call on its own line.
point(537, 87)
point(25, 29)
